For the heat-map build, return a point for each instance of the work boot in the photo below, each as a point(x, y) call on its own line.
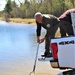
point(47, 55)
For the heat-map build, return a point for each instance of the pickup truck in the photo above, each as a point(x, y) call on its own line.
point(63, 51)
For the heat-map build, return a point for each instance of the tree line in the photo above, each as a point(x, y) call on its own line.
point(28, 8)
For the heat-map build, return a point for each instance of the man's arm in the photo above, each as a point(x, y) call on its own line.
point(38, 31)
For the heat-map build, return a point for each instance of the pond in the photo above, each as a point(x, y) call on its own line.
point(18, 48)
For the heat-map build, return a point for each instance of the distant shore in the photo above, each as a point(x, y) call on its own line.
point(20, 20)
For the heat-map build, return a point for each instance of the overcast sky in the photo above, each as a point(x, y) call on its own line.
point(3, 2)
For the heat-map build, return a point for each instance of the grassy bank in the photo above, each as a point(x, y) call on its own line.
point(20, 20)
point(1, 18)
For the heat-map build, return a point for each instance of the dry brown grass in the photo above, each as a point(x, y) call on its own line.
point(58, 33)
point(1, 18)
point(19, 20)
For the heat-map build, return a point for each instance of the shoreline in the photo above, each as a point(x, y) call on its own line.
point(30, 21)
point(23, 21)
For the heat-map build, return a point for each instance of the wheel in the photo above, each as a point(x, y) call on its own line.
point(70, 72)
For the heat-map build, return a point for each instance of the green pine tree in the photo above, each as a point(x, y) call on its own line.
point(8, 7)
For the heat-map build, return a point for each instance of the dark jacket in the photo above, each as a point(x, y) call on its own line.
point(51, 20)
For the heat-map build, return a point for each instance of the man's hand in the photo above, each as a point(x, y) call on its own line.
point(40, 40)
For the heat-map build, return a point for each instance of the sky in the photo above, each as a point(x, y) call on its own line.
point(3, 2)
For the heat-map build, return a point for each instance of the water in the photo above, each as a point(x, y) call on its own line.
point(18, 48)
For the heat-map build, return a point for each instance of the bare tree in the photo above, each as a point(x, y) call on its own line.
point(51, 6)
point(63, 5)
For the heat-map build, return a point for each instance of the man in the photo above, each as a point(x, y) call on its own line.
point(66, 23)
point(50, 23)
